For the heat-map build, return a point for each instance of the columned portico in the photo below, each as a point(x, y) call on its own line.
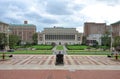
point(59, 35)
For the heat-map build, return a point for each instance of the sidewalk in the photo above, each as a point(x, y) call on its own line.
point(71, 62)
point(75, 67)
point(56, 51)
point(59, 74)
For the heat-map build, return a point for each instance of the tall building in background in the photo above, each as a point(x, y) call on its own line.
point(94, 28)
point(59, 35)
point(94, 31)
point(24, 31)
point(115, 29)
point(4, 28)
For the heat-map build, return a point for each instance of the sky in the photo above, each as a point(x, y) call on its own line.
point(60, 13)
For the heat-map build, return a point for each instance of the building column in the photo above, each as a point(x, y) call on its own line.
point(38, 38)
point(43, 38)
point(75, 37)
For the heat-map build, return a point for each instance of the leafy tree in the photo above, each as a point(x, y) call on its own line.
point(83, 40)
point(116, 41)
point(35, 38)
point(106, 39)
point(95, 44)
point(3, 40)
point(53, 44)
point(13, 40)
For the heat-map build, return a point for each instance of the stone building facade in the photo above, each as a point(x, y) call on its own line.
point(115, 29)
point(24, 31)
point(4, 28)
point(93, 32)
point(59, 35)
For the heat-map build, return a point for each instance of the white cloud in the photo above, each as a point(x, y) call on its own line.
point(101, 13)
point(80, 29)
point(64, 13)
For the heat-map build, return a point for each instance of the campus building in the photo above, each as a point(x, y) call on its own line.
point(59, 35)
point(24, 31)
point(93, 32)
point(4, 28)
point(115, 29)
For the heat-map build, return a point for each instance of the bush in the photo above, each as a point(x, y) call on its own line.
point(104, 47)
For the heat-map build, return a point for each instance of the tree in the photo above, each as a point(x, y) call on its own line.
point(106, 39)
point(84, 40)
point(95, 44)
point(116, 41)
point(3, 40)
point(13, 40)
point(35, 38)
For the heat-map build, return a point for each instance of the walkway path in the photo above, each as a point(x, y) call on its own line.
point(55, 51)
point(75, 67)
point(59, 74)
point(75, 62)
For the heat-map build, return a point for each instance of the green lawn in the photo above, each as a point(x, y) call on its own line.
point(73, 50)
point(37, 47)
point(43, 47)
point(88, 53)
point(49, 52)
point(76, 47)
point(59, 47)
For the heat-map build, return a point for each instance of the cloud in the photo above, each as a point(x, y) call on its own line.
point(58, 7)
point(11, 20)
point(64, 13)
point(49, 21)
point(110, 2)
point(79, 29)
point(101, 12)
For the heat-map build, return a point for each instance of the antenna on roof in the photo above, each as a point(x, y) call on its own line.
point(25, 22)
point(54, 26)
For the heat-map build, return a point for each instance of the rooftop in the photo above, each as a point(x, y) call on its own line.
point(22, 25)
point(58, 28)
point(118, 22)
point(3, 22)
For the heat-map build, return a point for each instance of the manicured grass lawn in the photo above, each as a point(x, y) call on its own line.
point(49, 52)
point(43, 47)
point(37, 47)
point(79, 52)
point(76, 47)
point(88, 53)
point(59, 47)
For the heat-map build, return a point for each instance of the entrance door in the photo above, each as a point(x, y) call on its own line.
point(59, 43)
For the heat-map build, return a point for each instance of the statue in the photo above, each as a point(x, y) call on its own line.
point(59, 59)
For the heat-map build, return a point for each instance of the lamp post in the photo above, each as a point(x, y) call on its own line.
point(8, 39)
point(111, 37)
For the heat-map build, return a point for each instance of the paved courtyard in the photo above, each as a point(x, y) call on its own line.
point(70, 62)
point(75, 67)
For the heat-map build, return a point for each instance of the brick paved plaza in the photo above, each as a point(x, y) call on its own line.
point(70, 62)
point(75, 67)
